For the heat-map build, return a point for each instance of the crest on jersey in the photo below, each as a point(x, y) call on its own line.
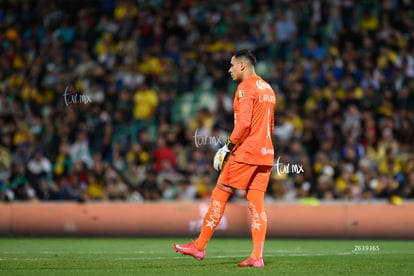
point(241, 93)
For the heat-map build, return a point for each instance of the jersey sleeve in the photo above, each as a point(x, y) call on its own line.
point(243, 117)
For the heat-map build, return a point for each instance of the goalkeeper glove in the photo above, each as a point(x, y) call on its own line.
point(221, 155)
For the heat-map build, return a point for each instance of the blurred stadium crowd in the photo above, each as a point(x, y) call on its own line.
point(128, 100)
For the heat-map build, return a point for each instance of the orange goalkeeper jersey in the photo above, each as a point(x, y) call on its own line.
point(254, 105)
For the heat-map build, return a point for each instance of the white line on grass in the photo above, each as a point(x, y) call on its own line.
point(277, 253)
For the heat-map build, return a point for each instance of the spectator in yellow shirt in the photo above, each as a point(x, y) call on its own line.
point(145, 103)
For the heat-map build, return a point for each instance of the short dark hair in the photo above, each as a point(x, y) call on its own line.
point(246, 54)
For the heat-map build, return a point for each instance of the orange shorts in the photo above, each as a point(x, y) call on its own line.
point(243, 176)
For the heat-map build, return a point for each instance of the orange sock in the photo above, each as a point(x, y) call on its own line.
point(258, 220)
point(213, 216)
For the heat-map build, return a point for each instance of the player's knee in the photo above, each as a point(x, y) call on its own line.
point(225, 188)
point(222, 192)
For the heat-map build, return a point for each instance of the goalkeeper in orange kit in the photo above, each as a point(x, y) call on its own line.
point(245, 162)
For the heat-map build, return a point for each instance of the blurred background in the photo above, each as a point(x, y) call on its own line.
point(128, 100)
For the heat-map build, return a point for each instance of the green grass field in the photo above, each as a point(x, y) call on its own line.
point(151, 256)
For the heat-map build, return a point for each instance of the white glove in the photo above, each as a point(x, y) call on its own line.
point(221, 156)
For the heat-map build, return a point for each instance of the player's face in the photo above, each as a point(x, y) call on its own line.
point(235, 69)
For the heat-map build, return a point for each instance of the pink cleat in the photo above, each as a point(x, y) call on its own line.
point(189, 249)
point(252, 262)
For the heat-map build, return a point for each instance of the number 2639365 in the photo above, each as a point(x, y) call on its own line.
point(366, 248)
